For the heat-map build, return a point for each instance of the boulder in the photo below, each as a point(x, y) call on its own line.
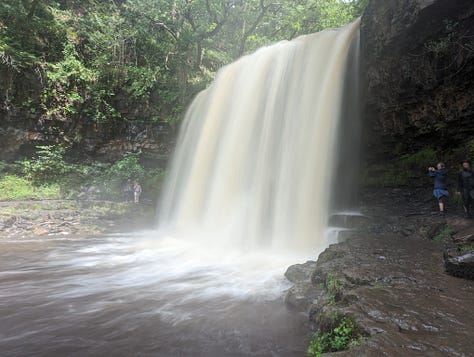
point(300, 272)
point(461, 266)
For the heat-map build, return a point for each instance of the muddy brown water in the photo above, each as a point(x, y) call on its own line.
point(129, 295)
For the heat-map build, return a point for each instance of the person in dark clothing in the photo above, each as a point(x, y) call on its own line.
point(440, 191)
point(466, 187)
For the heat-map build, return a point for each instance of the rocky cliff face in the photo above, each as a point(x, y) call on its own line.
point(418, 67)
point(23, 126)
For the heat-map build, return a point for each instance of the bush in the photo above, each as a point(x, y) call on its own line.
point(128, 167)
point(334, 286)
point(418, 162)
point(48, 175)
point(48, 166)
point(340, 337)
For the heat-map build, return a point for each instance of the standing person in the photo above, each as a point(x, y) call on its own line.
point(466, 187)
point(128, 190)
point(440, 185)
point(137, 191)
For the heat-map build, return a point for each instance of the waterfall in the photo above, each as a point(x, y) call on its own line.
point(255, 160)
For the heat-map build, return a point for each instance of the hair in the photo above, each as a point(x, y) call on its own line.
point(441, 164)
point(465, 162)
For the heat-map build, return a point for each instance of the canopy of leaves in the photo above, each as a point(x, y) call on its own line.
point(95, 59)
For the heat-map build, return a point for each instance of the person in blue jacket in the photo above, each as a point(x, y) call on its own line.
point(440, 191)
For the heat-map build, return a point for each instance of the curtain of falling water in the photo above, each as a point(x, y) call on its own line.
point(256, 154)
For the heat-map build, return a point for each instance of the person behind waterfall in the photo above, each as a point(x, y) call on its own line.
point(466, 187)
point(440, 191)
point(137, 191)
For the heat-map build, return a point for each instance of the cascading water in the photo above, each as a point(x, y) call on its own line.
point(256, 156)
point(253, 169)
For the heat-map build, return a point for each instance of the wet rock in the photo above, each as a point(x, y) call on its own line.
point(349, 220)
point(371, 331)
point(301, 297)
point(9, 221)
point(404, 325)
point(300, 272)
point(408, 230)
point(417, 347)
point(377, 315)
point(461, 266)
point(430, 328)
point(40, 231)
point(414, 90)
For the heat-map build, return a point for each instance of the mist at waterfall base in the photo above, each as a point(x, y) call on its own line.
point(247, 196)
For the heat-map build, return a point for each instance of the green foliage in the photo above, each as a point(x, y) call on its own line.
point(48, 175)
point(68, 85)
point(128, 167)
point(13, 187)
point(29, 33)
point(91, 56)
point(343, 334)
point(444, 235)
point(469, 149)
point(408, 169)
point(466, 249)
point(418, 161)
point(47, 166)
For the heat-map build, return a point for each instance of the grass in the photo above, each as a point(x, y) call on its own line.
point(13, 187)
point(377, 287)
point(334, 286)
point(443, 235)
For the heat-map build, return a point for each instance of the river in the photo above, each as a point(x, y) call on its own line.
point(138, 294)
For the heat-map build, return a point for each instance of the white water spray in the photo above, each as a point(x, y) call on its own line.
point(256, 154)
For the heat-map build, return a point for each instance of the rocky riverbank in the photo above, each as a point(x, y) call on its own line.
point(72, 218)
point(389, 276)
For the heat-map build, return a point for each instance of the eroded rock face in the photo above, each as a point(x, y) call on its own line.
point(418, 66)
point(105, 141)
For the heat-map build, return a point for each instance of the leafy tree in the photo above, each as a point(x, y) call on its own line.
point(94, 60)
